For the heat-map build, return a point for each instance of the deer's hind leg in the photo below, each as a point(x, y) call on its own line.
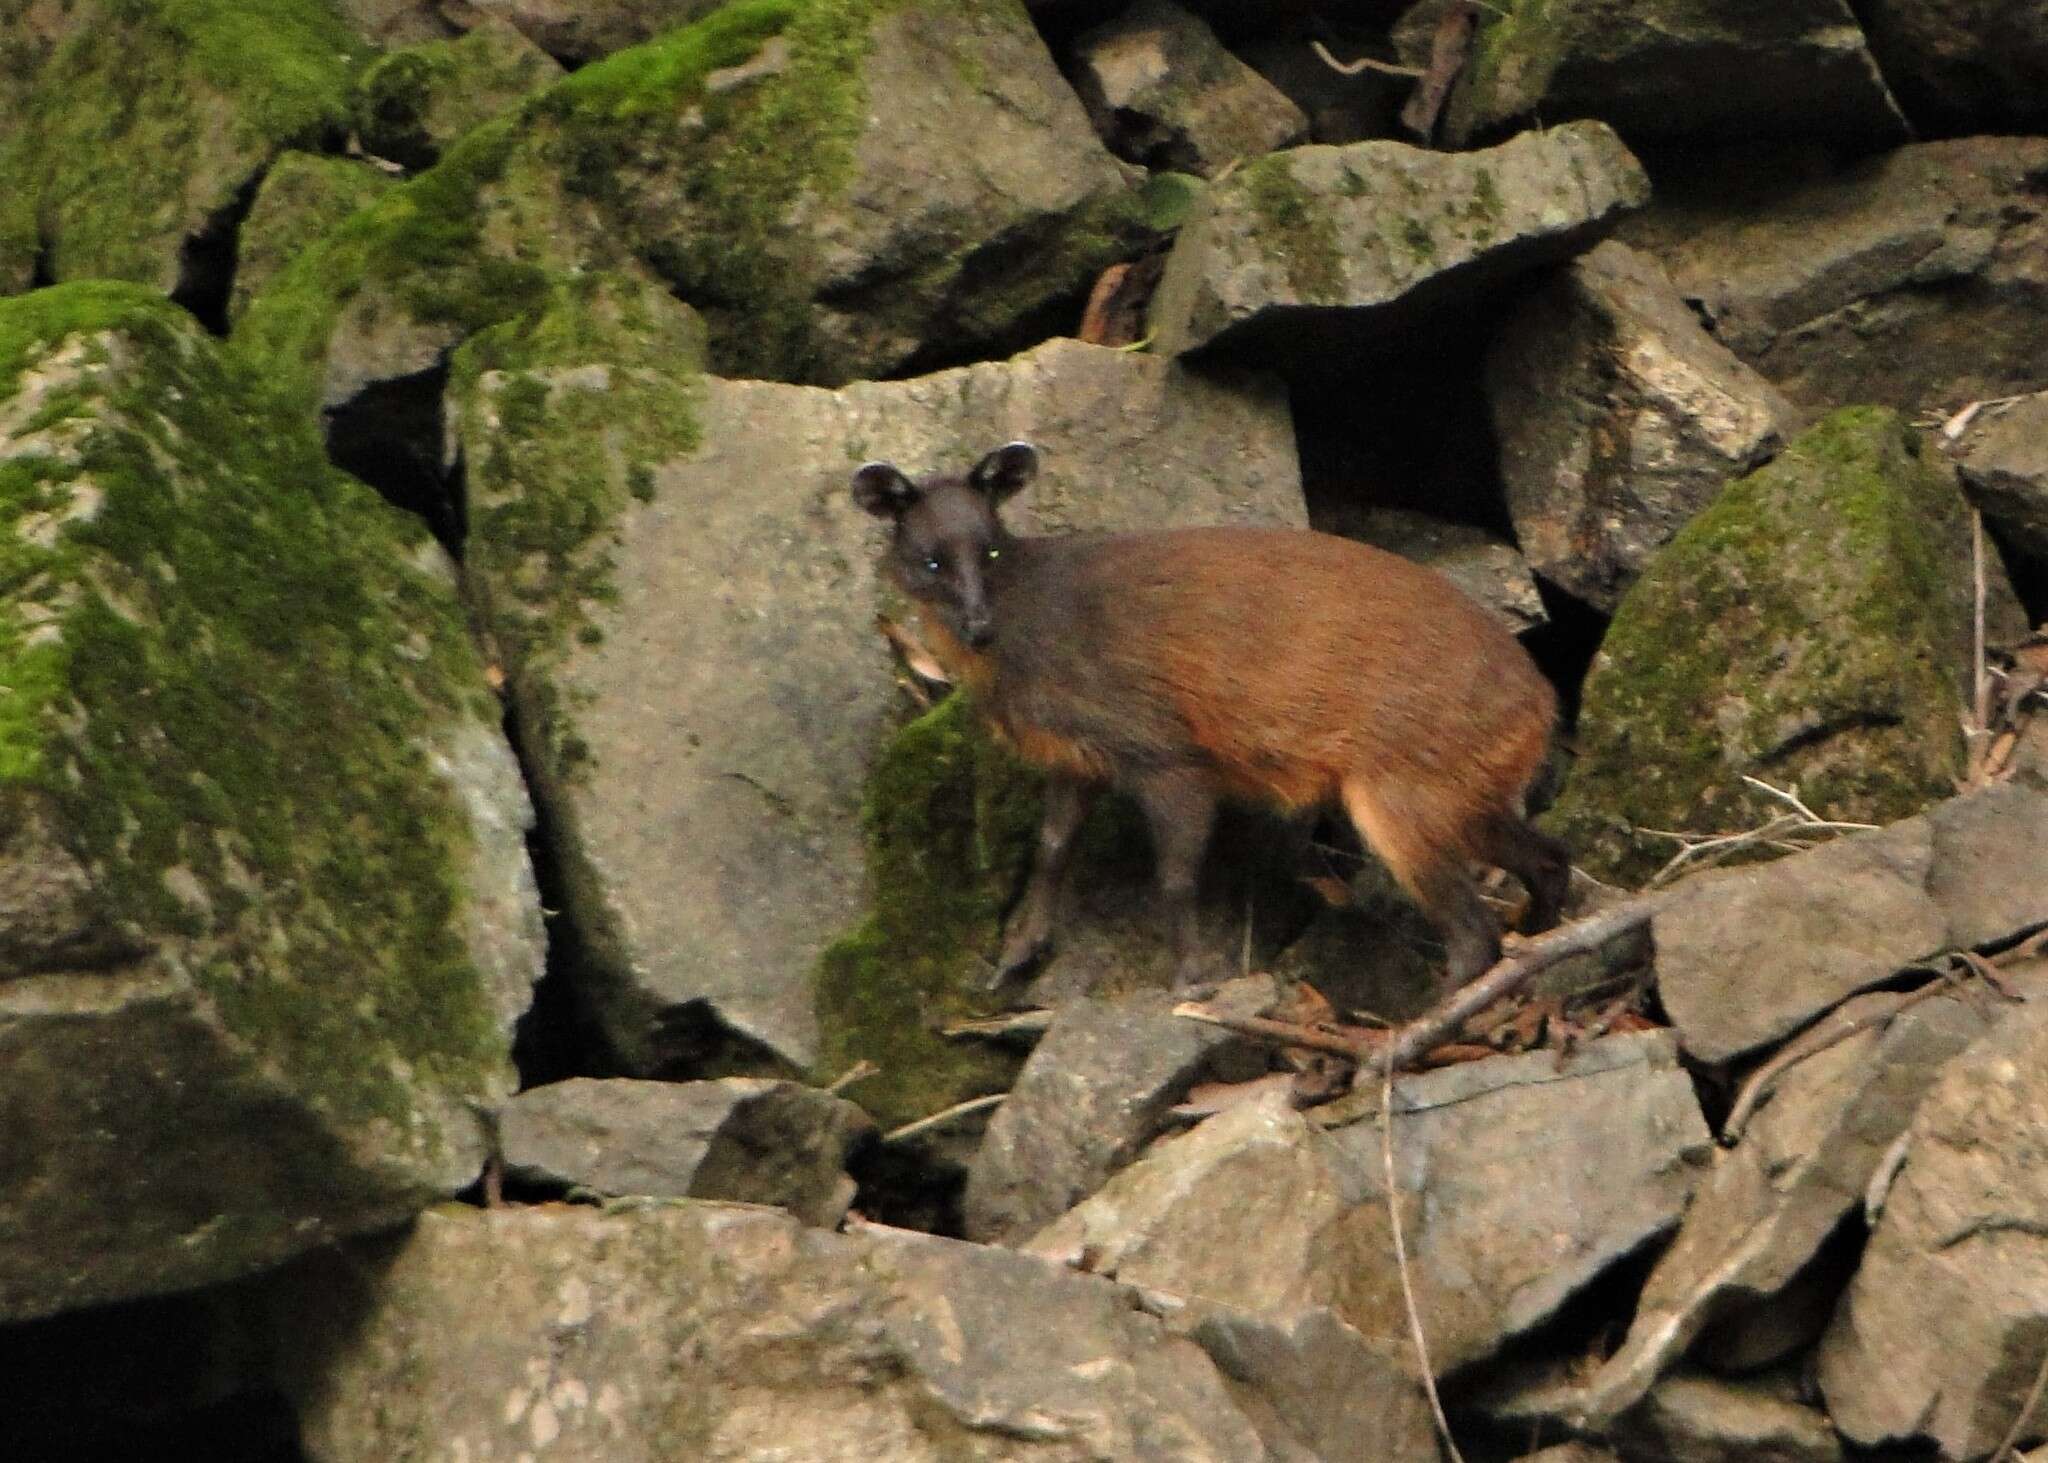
point(1425, 846)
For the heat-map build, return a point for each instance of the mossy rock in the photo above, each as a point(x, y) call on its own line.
point(1663, 70)
point(302, 198)
point(742, 160)
point(142, 130)
point(269, 917)
point(411, 104)
point(1810, 628)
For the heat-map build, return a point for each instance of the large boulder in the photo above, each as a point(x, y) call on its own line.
point(742, 1138)
point(138, 137)
point(2003, 459)
point(1618, 419)
point(1520, 1182)
point(1838, 584)
point(1962, 66)
point(1693, 1417)
point(684, 593)
point(1676, 70)
point(695, 1330)
point(1092, 1094)
point(1355, 240)
point(1771, 1202)
point(1911, 279)
point(844, 189)
point(266, 916)
point(1480, 562)
point(1162, 91)
point(1939, 1336)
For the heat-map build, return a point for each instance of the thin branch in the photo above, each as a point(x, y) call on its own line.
point(860, 1071)
point(1436, 1405)
point(2010, 1447)
point(944, 1116)
point(1880, 1186)
point(1363, 63)
point(1035, 1022)
point(1285, 1033)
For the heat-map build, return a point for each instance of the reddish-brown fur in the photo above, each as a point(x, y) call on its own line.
point(1282, 666)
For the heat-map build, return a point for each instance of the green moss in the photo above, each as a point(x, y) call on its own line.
point(1167, 200)
point(220, 685)
point(304, 197)
point(1516, 48)
point(566, 453)
point(411, 103)
point(1416, 237)
point(1295, 230)
point(949, 820)
point(153, 114)
point(1808, 627)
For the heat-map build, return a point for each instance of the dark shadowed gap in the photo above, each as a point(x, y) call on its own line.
point(2029, 574)
point(903, 1186)
point(206, 262)
point(389, 436)
point(160, 1378)
point(1564, 645)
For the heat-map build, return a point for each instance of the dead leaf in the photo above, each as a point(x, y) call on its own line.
point(905, 643)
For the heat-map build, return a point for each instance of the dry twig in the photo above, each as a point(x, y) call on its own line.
point(1363, 63)
point(944, 1116)
point(1790, 832)
point(1436, 1405)
point(860, 1071)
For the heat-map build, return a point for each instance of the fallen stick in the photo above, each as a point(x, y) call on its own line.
point(1408, 1043)
point(944, 1116)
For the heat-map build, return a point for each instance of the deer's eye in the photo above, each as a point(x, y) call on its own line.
point(931, 566)
point(994, 554)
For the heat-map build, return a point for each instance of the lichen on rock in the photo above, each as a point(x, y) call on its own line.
point(239, 702)
point(1811, 627)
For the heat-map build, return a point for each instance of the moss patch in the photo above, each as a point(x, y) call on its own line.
point(219, 677)
point(303, 198)
point(411, 103)
point(149, 119)
point(1809, 627)
point(567, 412)
point(1295, 230)
point(950, 821)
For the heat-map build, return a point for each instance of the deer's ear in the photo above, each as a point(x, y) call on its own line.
point(883, 490)
point(1005, 471)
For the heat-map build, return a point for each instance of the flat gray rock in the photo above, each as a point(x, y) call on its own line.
point(2003, 458)
point(701, 1331)
point(742, 1138)
point(1618, 419)
point(1938, 1336)
point(1303, 244)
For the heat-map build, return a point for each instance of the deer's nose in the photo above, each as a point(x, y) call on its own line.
point(980, 628)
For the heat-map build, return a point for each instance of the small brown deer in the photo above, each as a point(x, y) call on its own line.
point(1187, 665)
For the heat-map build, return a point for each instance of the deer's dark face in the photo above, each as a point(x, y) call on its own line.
point(949, 541)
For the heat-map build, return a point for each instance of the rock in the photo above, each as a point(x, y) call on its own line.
point(1963, 66)
point(1908, 280)
point(741, 162)
point(266, 916)
point(1487, 567)
point(1677, 70)
point(1537, 1178)
point(1163, 92)
point(693, 1330)
point(1618, 418)
point(1846, 916)
point(2004, 466)
point(1238, 1211)
point(1326, 1391)
point(743, 1138)
point(1694, 1418)
point(302, 197)
point(1838, 583)
point(1357, 239)
point(576, 31)
point(1762, 1215)
point(411, 104)
point(1093, 1093)
point(1938, 1336)
point(689, 639)
point(140, 135)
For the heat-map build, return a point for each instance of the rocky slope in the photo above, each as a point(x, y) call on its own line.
point(496, 907)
